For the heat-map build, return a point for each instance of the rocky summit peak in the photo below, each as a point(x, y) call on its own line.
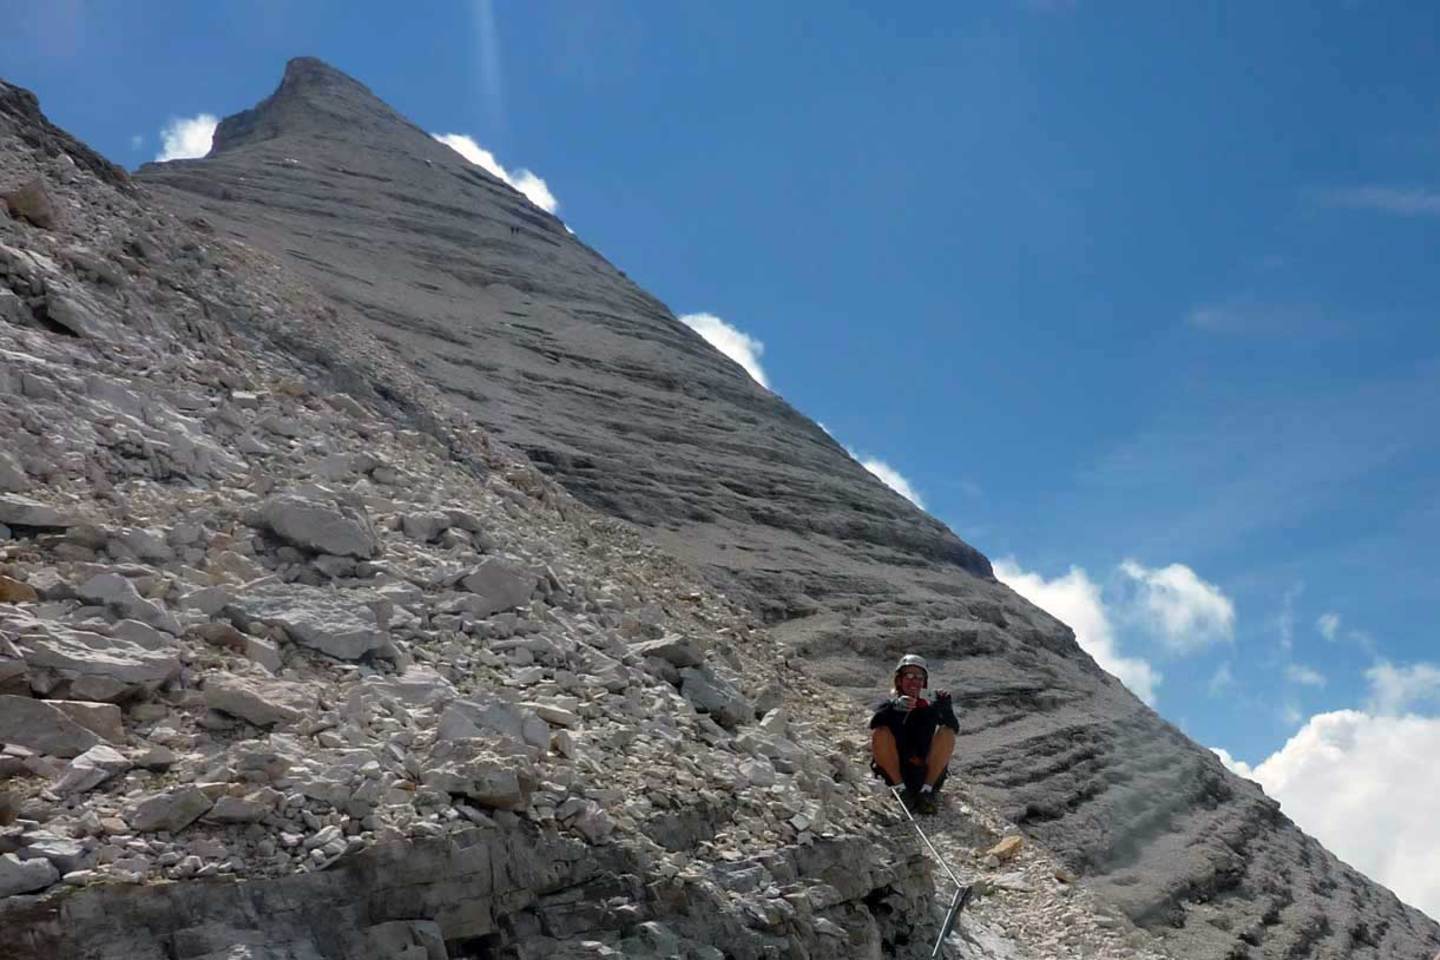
point(313, 97)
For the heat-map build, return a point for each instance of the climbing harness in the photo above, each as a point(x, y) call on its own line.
point(963, 891)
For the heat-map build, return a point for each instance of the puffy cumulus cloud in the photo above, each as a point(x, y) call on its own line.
point(1186, 612)
point(1398, 689)
point(1329, 625)
point(731, 341)
point(185, 138)
point(892, 478)
point(535, 189)
point(1077, 601)
point(1361, 783)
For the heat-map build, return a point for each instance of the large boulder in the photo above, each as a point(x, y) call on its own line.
point(322, 619)
point(97, 667)
point(320, 526)
point(31, 201)
point(41, 727)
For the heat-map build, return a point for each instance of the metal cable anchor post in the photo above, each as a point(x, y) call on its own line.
point(963, 891)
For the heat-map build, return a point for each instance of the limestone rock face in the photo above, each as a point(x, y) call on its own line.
point(530, 764)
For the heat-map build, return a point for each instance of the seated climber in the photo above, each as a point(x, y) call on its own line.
point(911, 738)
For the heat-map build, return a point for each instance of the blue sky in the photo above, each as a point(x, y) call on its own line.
point(1139, 298)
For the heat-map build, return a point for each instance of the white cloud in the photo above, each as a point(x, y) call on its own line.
point(535, 189)
point(1075, 600)
point(1328, 625)
point(185, 138)
point(1222, 679)
point(137, 140)
point(893, 479)
point(1399, 689)
point(1352, 780)
point(1186, 612)
point(1303, 675)
point(731, 341)
point(1405, 202)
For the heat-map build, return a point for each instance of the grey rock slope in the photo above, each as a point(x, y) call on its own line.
point(495, 304)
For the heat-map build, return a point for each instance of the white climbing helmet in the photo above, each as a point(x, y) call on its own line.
point(912, 660)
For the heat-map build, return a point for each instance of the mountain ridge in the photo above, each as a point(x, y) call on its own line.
point(607, 393)
point(492, 304)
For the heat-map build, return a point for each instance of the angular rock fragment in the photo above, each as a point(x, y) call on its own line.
point(320, 526)
point(463, 719)
point(1007, 849)
point(470, 771)
point(41, 727)
point(261, 702)
point(16, 591)
point(172, 811)
point(237, 810)
point(90, 769)
point(75, 312)
point(418, 686)
point(103, 718)
point(31, 201)
point(25, 876)
point(716, 696)
point(25, 512)
point(498, 585)
point(675, 650)
point(118, 593)
point(321, 619)
point(66, 854)
point(425, 527)
point(109, 668)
